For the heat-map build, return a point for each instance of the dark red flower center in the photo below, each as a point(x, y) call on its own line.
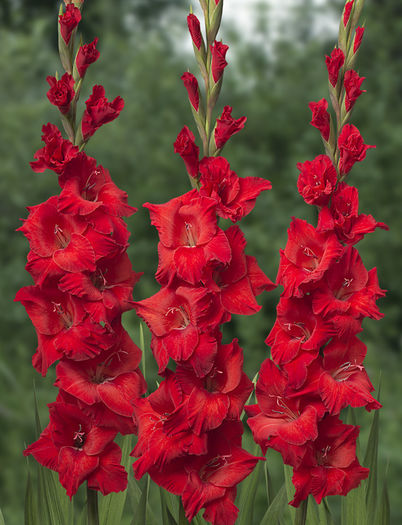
point(285, 410)
point(64, 316)
point(191, 241)
point(213, 465)
point(79, 438)
point(322, 455)
point(177, 318)
point(297, 330)
point(344, 372)
point(61, 237)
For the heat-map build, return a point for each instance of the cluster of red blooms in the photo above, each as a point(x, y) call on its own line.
point(189, 429)
point(83, 282)
point(317, 359)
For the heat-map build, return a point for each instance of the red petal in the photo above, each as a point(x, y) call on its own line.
point(74, 468)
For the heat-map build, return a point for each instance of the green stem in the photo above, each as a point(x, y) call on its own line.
point(301, 513)
point(92, 507)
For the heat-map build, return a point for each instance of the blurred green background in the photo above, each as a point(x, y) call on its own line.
point(144, 50)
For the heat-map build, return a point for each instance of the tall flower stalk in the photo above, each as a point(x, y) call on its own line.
point(83, 282)
point(316, 367)
point(189, 429)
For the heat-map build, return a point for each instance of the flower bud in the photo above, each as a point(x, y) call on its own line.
point(226, 126)
point(358, 38)
point(352, 83)
point(347, 11)
point(99, 111)
point(219, 63)
point(351, 148)
point(320, 117)
point(69, 21)
point(191, 84)
point(186, 147)
point(195, 30)
point(87, 55)
point(334, 64)
point(61, 92)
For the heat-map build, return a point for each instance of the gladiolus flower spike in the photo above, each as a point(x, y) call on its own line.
point(189, 429)
point(83, 282)
point(316, 366)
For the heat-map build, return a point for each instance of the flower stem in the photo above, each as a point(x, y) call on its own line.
point(301, 513)
point(92, 507)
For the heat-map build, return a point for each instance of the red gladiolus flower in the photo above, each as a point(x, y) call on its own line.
point(111, 379)
point(61, 92)
point(195, 30)
point(334, 64)
point(347, 11)
point(191, 84)
point(348, 293)
point(351, 148)
point(79, 451)
point(320, 117)
point(210, 480)
point(99, 111)
point(220, 395)
point(58, 240)
point(241, 280)
point(352, 83)
point(226, 126)
point(69, 21)
point(343, 216)
point(159, 439)
point(235, 196)
point(62, 326)
point(88, 190)
point(219, 63)
point(56, 152)
point(178, 319)
point(317, 180)
point(87, 55)
point(293, 419)
point(187, 149)
point(297, 328)
point(307, 256)
point(189, 237)
point(330, 466)
point(358, 38)
point(106, 292)
point(342, 380)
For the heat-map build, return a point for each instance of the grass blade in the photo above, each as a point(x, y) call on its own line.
point(274, 512)
point(111, 506)
point(247, 495)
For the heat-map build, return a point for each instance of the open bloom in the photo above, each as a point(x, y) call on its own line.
point(79, 451)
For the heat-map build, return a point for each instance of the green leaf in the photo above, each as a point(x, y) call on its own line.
point(268, 484)
point(290, 490)
point(182, 516)
point(383, 511)
point(274, 512)
point(324, 513)
point(111, 506)
point(247, 496)
point(167, 518)
point(354, 507)
point(30, 506)
point(141, 517)
point(371, 461)
point(1, 518)
point(54, 505)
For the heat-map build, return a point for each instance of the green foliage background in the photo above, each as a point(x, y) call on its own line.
point(142, 58)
